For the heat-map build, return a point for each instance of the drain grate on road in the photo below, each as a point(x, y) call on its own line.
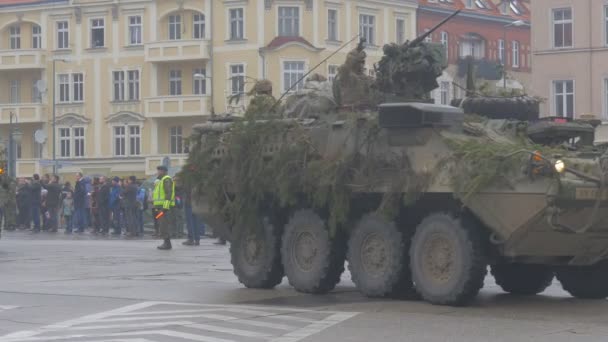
point(169, 321)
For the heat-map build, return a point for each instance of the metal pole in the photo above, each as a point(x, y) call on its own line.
point(504, 58)
point(11, 148)
point(54, 121)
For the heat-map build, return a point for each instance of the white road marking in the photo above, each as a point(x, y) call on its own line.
point(7, 307)
point(142, 316)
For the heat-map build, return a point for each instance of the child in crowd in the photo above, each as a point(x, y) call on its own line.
point(68, 211)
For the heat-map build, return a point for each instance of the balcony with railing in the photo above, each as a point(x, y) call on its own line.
point(22, 59)
point(25, 112)
point(177, 106)
point(177, 50)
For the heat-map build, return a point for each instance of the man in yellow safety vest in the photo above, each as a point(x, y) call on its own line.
point(163, 199)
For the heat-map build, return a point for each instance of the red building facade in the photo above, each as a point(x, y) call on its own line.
point(479, 31)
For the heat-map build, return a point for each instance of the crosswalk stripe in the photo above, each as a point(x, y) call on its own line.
point(281, 316)
point(164, 312)
point(231, 331)
point(7, 307)
point(122, 326)
point(168, 333)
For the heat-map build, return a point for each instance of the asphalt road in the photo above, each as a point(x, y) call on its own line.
point(78, 288)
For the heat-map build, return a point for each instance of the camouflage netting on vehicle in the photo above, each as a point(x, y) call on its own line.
point(234, 171)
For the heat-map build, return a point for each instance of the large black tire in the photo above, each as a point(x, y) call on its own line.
point(586, 282)
point(522, 279)
point(312, 260)
point(255, 255)
point(448, 260)
point(378, 259)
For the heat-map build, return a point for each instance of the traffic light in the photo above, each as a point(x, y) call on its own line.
point(2, 168)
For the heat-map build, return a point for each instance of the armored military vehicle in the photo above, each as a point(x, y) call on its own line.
point(416, 197)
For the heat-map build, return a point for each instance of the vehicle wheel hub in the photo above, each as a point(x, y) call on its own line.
point(253, 250)
point(305, 250)
point(374, 255)
point(438, 258)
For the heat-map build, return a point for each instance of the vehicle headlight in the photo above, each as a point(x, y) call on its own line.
point(560, 166)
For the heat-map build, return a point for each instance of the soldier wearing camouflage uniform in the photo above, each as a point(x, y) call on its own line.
point(8, 203)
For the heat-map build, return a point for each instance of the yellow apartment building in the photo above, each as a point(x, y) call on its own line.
point(131, 77)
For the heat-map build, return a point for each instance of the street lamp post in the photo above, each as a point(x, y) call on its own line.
point(14, 137)
point(516, 23)
point(55, 113)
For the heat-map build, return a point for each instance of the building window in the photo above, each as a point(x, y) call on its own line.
point(472, 45)
point(332, 72)
point(36, 37)
point(605, 98)
point(175, 27)
point(63, 35)
point(15, 37)
point(367, 24)
point(515, 52)
point(71, 88)
point(237, 79)
point(120, 138)
point(175, 82)
point(562, 28)
point(198, 31)
point(429, 38)
point(134, 140)
point(176, 140)
point(564, 98)
point(501, 51)
point(64, 142)
point(445, 93)
point(133, 85)
point(71, 142)
point(289, 21)
point(292, 73)
point(15, 91)
point(135, 30)
point(445, 41)
point(97, 33)
point(64, 88)
point(78, 86)
point(400, 31)
point(606, 24)
point(236, 23)
point(332, 24)
point(127, 140)
point(199, 81)
point(119, 85)
point(504, 7)
point(78, 141)
point(126, 89)
point(469, 3)
point(36, 96)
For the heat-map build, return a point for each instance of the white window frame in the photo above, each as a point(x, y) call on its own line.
point(175, 27)
point(231, 79)
point(605, 112)
point(515, 54)
point(445, 41)
point(36, 95)
point(135, 31)
point(199, 86)
point(293, 21)
point(71, 140)
point(72, 86)
point(64, 33)
point(444, 93)
point(400, 36)
point(240, 28)
point(176, 82)
point(295, 74)
point(127, 136)
point(563, 22)
point(14, 32)
point(564, 100)
point(94, 24)
point(14, 91)
point(605, 19)
point(367, 30)
point(200, 24)
point(176, 140)
point(332, 72)
point(118, 86)
point(335, 24)
point(133, 88)
point(36, 37)
point(501, 51)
